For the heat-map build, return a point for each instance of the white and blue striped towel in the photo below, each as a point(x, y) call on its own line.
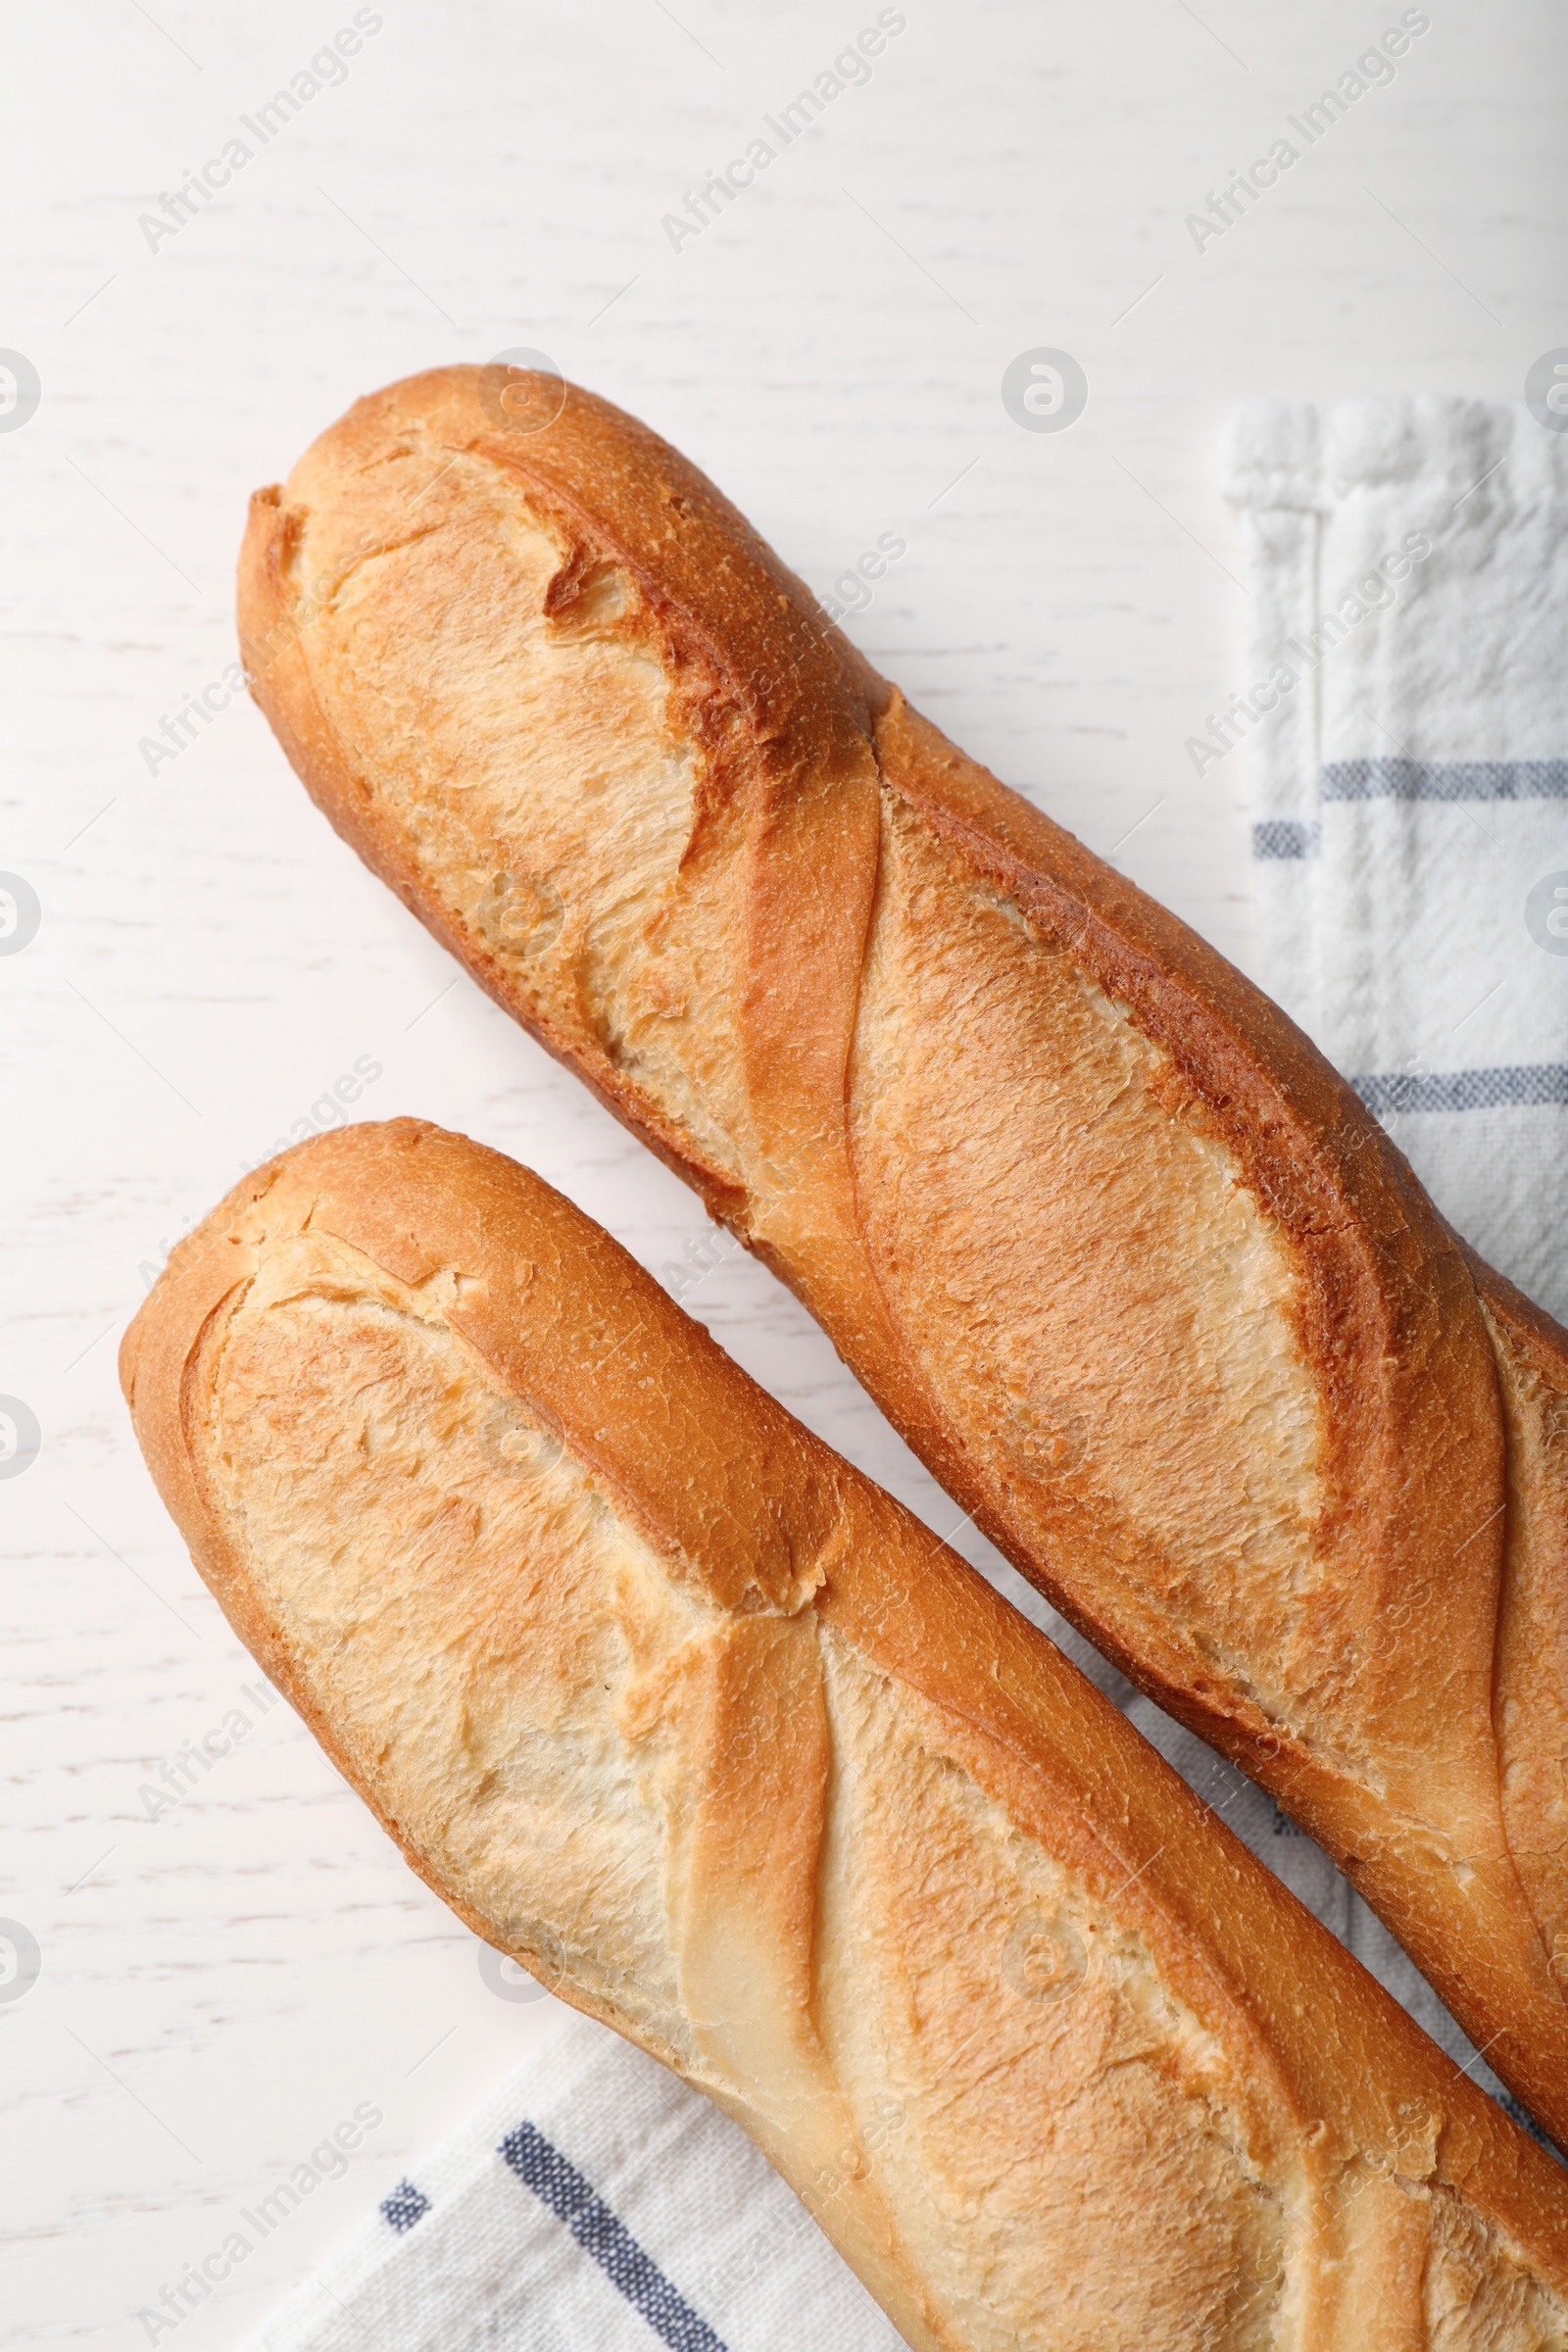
point(1405, 716)
point(592, 2202)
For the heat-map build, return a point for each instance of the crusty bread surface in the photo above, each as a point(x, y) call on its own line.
point(1110, 1243)
point(678, 1708)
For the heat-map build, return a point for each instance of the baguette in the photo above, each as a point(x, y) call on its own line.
point(678, 1709)
point(1105, 1236)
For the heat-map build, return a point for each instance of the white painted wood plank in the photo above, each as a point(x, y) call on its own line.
point(222, 1983)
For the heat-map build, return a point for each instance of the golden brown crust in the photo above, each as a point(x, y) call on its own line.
point(1111, 1244)
point(853, 1710)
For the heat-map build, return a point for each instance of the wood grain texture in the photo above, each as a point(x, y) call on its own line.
point(257, 1960)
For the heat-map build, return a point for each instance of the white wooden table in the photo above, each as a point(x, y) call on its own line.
point(225, 1978)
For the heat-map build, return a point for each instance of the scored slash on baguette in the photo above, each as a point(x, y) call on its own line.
point(675, 1706)
point(1106, 1238)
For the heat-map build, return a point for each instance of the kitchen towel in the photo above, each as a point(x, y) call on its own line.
point(592, 2202)
point(1405, 713)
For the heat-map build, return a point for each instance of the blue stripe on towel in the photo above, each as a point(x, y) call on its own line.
point(1526, 1083)
point(404, 2207)
point(1445, 780)
point(541, 2167)
point(1284, 837)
